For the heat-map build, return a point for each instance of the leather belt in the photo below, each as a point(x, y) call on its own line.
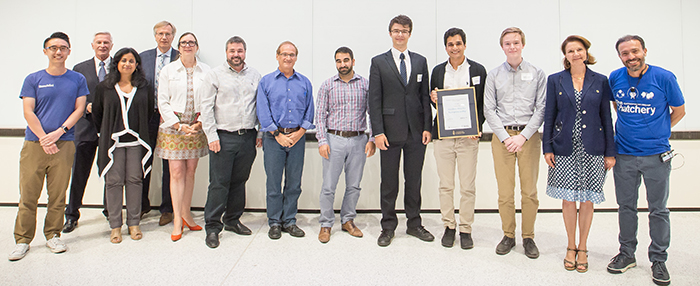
point(515, 128)
point(288, 130)
point(345, 134)
point(239, 131)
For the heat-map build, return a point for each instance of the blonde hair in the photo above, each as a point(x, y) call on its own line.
point(512, 30)
point(162, 24)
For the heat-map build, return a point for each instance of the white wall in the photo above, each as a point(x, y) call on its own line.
point(318, 27)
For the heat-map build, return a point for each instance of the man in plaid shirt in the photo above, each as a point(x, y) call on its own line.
point(342, 133)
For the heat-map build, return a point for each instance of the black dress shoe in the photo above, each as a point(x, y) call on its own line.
point(70, 225)
point(505, 245)
point(294, 231)
point(275, 231)
point(421, 233)
point(238, 228)
point(385, 237)
point(531, 250)
point(212, 240)
point(465, 240)
point(448, 239)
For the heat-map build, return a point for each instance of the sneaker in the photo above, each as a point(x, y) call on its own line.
point(56, 245)
point(659, 273)
point(19, 252)
point(621, 263)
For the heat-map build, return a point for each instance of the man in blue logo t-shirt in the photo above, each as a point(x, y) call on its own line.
point(53, 100)
point(649, 102)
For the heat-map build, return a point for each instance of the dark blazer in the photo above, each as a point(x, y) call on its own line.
point(395, 108)
point(437, 80)
point(84, 129)
point(148, 63)
point(560, 114)
point(108, 119)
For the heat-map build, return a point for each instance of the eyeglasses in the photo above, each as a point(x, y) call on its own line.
point(56, 48)
point(188, 44)
point(286, 55)
point(161, 35)
point(396, 32)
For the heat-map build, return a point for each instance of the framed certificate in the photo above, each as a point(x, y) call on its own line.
point(456, 113)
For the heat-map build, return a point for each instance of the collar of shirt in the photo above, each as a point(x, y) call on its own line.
point(509, 68)
point(97, 64)
point(167, 53)
point(355, 77)
point(396, 54)
point(180, 66)
point(457, 78)
point(460, 67)
point(245, 67)
point(279, 73)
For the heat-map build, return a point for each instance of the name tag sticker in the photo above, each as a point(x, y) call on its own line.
point(476, 80)
point(420, 77)
point(526, 76)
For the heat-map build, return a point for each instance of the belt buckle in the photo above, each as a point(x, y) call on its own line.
point(241, 131)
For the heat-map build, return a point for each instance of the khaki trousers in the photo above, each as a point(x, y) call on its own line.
point(34, 165)
point(464, 152)
point(528, 160)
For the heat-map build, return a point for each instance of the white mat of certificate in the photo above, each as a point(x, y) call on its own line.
point(456, 112)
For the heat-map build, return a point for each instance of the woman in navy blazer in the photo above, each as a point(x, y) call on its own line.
point(578, 143)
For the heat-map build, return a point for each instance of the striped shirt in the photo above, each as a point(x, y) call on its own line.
point(342, 106)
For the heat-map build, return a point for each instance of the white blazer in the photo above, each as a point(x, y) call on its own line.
point(172, 89)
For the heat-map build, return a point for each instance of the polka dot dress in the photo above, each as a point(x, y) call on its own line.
point(580, 176)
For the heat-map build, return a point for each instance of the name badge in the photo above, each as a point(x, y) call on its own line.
point(476, 80)
point(526, 76)
point(420, 77)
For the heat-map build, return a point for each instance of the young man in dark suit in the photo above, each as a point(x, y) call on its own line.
point(457, 72)
point(153, 61)
point(94, 70)
point(401, 120)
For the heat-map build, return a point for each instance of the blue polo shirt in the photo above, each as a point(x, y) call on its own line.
point(285, 102)
point(55, 99)
point(643, 124)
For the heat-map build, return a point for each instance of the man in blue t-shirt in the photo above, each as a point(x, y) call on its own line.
point(53, 100)
point(649, 102)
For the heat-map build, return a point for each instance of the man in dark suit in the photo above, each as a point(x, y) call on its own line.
point(457, 72)
point(401, 120)
point(94, 70)
point(153, 61)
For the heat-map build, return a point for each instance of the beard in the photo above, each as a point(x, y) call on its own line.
point(345, 71)
point(641, 64)
point(233, 63)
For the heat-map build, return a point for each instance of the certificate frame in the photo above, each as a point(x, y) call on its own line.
point(461, 127)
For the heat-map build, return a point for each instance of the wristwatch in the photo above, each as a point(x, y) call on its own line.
point(65, 129)
point(277, 132)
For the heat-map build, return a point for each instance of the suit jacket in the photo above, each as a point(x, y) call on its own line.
point(84, 129)
point(395, 108)
point(148, 63)
point(437, 80)
point(560, 115)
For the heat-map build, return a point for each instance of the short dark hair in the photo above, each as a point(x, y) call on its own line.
point(453, 32)
point(628, 38)
point(344, 50)
point(138, 79)
point(236, 39)
point(402, 20)
point(57, 35)
point(196, 42)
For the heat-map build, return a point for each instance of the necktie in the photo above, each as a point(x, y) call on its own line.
point(161, 63)
point(403, 69)
point(101, 73)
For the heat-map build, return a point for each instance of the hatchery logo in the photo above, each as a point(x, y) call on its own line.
point(46, 85)
point(620, 93)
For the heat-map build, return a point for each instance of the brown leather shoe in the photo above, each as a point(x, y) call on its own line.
point(350, 227)
point(165, 218)
point(324, 235)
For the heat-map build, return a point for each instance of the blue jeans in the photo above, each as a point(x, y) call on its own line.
point(348, 153)
point(282, 205)
point(628, 173)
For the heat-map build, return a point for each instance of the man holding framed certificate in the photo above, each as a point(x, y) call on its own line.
point(457, 72)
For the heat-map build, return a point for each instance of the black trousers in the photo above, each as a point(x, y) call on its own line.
point(413, 157)
point(167, 204)
point(82, 166)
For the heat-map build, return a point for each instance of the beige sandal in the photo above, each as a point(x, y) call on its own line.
point(135, 232)
point(568, 265)
point(582, 267)
point(116, 235)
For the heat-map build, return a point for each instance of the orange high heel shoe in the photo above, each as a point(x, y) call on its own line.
point(176, 237)
point(192, 228)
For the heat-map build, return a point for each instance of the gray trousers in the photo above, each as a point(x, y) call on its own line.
point(628, 173)
point(348, 154)
point(125, 174)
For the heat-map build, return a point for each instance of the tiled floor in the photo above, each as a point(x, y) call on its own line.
point(256, 260)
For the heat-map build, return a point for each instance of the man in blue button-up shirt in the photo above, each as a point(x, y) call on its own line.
point(285, 111)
